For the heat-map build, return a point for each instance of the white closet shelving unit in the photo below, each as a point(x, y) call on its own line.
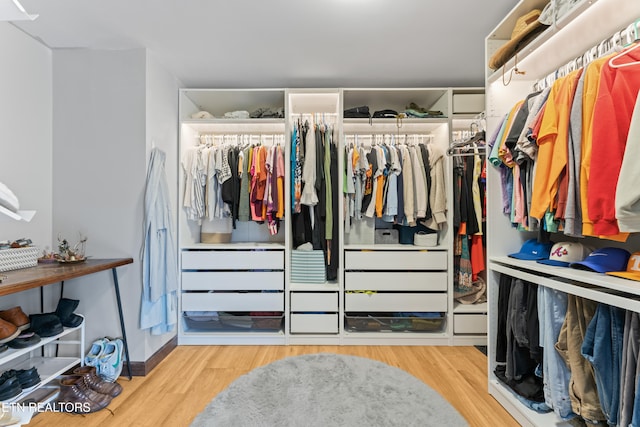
point(469, 320)
point(252, 273)
point(373, 293)
point(588, 23)
point(245, 275)
point(314, 308)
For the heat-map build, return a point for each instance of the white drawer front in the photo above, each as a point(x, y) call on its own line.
point(314, 301)
point(232, 280)
point(469, 323)
point(405, 281)
point(395, 260)
point(314, 323)
point(233, 301)
point(396, 302)
point(232, 260)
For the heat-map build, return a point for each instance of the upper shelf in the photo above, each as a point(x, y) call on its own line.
point(406, 125)
point(236, 125)
point(584, 26)
point(592, 279)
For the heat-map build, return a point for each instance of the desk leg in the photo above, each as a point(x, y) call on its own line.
point(124, 334)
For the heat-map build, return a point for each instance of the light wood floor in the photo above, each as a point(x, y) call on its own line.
point(182, 385)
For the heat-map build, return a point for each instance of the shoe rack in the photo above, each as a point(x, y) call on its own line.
point(43, 357)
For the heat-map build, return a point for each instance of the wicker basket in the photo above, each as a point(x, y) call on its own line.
point(17, 258)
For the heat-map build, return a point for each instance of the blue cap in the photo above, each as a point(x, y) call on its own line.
point(532, 250)
point(604, 260)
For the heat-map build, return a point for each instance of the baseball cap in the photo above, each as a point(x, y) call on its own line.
point(564, 253)
point(633, 268)
point(604, 260)
point(533, 250)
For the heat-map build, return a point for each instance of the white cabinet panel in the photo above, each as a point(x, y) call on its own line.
point(233, 301)
point(469, 323)
point(314, 323)
point(395, 260)
point(232, 280)
point(404, 281)
point(314, 301)
point(396, 302)
point(232, 260)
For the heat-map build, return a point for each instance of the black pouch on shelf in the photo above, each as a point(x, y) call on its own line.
point(406, 232)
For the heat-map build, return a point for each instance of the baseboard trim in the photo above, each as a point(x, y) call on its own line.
point(141, 369)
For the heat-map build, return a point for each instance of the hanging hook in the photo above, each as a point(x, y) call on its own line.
point(514, 70)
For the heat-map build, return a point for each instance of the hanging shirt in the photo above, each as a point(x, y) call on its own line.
point(437, 192)
point(553, 143)
point(280, 182)
point(589, 96)
point(309, 196)
point(407, 186)
point(612, 113)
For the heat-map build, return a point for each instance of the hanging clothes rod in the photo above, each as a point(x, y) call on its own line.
point(617, 41)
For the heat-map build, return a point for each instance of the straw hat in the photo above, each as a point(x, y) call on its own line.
point(526, 28)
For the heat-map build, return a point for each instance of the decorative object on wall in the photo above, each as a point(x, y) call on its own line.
point(328, 389)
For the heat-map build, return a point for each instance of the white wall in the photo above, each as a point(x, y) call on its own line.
point(26, 142)
point(76, 128)
point(99, 158)
point(162, 132)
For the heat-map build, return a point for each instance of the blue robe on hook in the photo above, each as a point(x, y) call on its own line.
point(159, 306)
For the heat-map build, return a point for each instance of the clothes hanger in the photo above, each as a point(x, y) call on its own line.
point(612, 63)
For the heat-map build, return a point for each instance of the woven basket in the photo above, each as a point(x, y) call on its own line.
point(17, 258)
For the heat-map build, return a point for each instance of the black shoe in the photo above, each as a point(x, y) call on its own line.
point(65, 312)
point(9, 388)
point(72, 321)
point(24, 340)
point(28, 378)
point(46, 324)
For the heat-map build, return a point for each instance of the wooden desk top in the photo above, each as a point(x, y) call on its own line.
point(47, 274)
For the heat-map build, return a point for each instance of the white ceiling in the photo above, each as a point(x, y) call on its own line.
point(285, 43)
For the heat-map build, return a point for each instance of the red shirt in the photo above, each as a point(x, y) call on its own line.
point(611, 119)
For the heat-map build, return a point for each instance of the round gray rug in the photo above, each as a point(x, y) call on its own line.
point(328, 390)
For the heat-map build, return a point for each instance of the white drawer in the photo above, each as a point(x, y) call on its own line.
point(314, 323)
point(233, 301)
point(469, 323)
point(396, 302)
point(395, 260)
point(233, 260)
point(314, 301)
point(232, 280)
point(405, 281)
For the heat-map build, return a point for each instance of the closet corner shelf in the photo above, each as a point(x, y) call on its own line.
point(470, 308)
point(591, 15)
